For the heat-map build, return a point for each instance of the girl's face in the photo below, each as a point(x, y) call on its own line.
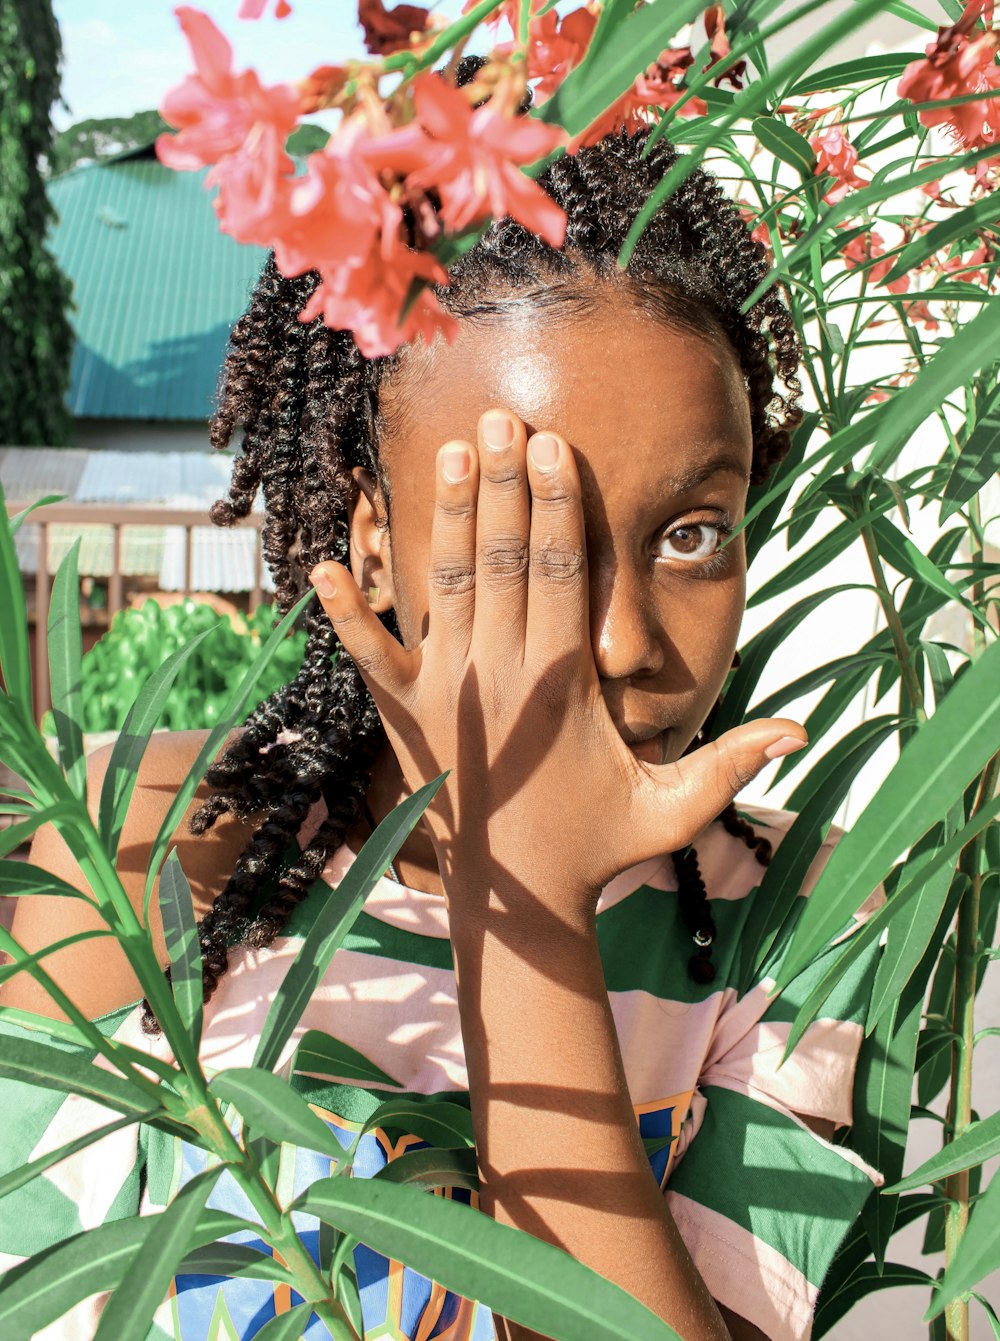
point(659, 423)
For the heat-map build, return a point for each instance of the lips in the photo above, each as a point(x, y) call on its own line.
point(650, 749)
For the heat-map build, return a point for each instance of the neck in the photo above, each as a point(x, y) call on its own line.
point(416, 861)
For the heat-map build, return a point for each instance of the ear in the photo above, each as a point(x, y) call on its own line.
point(370, 550)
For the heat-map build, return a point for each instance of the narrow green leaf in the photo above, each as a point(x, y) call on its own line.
point(36, 1063)
point(871, 658)
point(15, 660)
point(990, 1312)
point(231, 713)
point(321, 1055)
point(778, 138)
point(273, 1109)
point(129, 1311)
point(437, 1121)
point(130, 744)
point(907, 559)
point(522, 1278)
point(335, 919)
point(24, 963)
point(978, 1253)
point(965, 222)
point(18, 879)
point(434, 1168)
point(26, 1173)
point(180, 932)
point(977, 1144)
point(868, 1280)
point(234, 1259)
point(978, 460)
point(814, 561)
point(65, 656)
point(614, 58)
point(290, 1326)
point(933, 769)
point(755, 535)
point(758, 652)
point(38, 1292)
point(956, 362)
point(829, 781)
point(12, 837)
point(851, 73)
point(18, 521)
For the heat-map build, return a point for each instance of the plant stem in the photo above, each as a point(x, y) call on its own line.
point(907, 670)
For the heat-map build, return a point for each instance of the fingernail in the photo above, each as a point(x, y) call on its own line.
point(498, 430)
point(786, 745)
point(323, 583)
point(544, 451)
point(455, 464)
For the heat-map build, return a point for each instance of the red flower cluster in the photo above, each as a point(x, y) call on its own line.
point(837, 156)
point(865, 247)
point(360, 215)
point(954, 66)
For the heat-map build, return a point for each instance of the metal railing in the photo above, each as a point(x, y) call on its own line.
point(116, 516)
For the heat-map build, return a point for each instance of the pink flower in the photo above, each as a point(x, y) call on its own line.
point(865, 247)
point(954, 66)
point(556, 46)
point(837, 156)
point(917, 310)
point(216, 110)
point(368, 300)
point(659, 86)
point(715, 29)
point(392, 30)
point(471, 157)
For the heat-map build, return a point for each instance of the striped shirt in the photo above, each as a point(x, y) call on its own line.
point(761, 1201)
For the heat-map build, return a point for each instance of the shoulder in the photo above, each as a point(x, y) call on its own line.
point(95, 972)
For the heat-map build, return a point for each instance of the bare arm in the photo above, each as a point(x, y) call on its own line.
point(96, 973)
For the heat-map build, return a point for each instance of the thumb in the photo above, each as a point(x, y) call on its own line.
point(712, 776)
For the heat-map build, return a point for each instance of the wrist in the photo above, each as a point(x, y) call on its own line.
point(534, 907)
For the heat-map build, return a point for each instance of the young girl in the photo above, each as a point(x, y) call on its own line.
point(517, 544)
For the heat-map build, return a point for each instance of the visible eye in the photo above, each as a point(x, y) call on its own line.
point(694, 541)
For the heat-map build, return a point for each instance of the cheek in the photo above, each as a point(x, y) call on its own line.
point(409, 561)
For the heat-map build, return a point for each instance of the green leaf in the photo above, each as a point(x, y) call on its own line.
point(815, 560)
point(434, 1168)
point(12, 837)
point(965, 222)
point(18, 879)
point(437, 1121)
point(978, 1253)
point(15, 659)
point(977, 1144)
point(978, 460)
point(756, 534)
point(904, 556)
point(65, 656)
point(234, 1259)
point(933, 769)
point(288, 1326)
point(758, 652)
point(273, 1109)
point(25, 1173)
point(335, 919)
point(130, 744)
point(36, 1063)
point(868, 1280)
point(24, 963)
point(778, 138)
point(829, 782)
point(617, 53)
point(320, 1055)
point(521, 1278)
point(38, 1292)
point(231, 713)
point(851, 73)
point(129, 1311)
point(994, 1321)
point(180, 932)
point(957, 361)
point(18, 521)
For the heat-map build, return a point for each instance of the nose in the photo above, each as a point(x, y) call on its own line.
point(624, 627)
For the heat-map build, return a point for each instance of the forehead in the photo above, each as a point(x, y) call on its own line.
point(642, 403)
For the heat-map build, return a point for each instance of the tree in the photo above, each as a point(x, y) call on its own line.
point(34, 293)
point(103, 137)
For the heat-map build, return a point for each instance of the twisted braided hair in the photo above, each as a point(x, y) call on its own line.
point(307, 405)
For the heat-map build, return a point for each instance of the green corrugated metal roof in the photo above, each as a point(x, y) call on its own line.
point(156, 285)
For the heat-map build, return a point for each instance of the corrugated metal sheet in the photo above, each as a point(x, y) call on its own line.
point(222, 561)
point(157, 288)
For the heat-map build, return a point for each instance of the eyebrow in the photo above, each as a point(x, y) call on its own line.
point(724, 463)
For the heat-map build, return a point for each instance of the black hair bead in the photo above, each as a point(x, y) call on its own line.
point(701, 969)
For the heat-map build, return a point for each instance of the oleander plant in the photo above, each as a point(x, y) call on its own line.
point(873, 183)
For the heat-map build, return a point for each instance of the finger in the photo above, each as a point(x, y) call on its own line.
point(558, 589)
point(385, 666)
point(704, 782)
point(502, 521)
point(451, 590)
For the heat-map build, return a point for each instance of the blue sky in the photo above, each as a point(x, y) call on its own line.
point(120, 58)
